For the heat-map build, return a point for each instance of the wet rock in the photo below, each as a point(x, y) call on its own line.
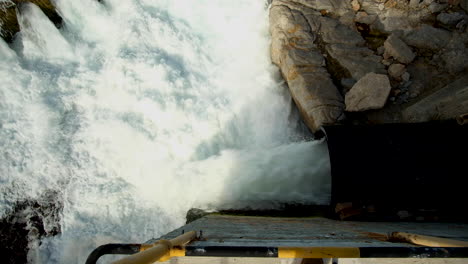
point(364, 18)
point(348, 19)
point(387, 62)
point(415, 89)
point(390, 3)
point(436, 7)
point(446, 103)
point(464, 4)
point(394, 93)
point(453, 2)
point(357, 60)
point(456, 61)
point(346, 47)
point(9, 21)
point(454, 57)
point(427, 37)
point(195, 214)
point(355, 5)
point(428, 76)
point(298, 60)
point(396, 70)
point(289, 30)
point(333, 32)
point(451, 19)
point(303, 65)
point(462, 25)
point(303, 6)
point(371, 7)
point(397, 49)
point(394, 20)
point(405, 76)
point(336, 7)
point(317, 98)
point(380, 50)
point(419, 58)
point(414, 3)
point(348, 83)
point(370, 92)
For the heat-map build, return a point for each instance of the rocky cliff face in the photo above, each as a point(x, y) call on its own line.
point(9, 23)
point(372, 61)
point(295, 49)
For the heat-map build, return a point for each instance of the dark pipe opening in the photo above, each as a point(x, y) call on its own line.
point(401, 171)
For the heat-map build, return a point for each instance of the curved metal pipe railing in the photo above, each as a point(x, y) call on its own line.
point(163, 249)
point(143, 253)
point(429, 241)
point(111, 249)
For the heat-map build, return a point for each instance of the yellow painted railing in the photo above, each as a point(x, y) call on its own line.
point(162, 250)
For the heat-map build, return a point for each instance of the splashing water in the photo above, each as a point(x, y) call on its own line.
point(137, 110)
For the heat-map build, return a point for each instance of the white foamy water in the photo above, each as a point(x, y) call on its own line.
point(136, 111)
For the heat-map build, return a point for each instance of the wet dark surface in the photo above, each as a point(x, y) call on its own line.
point(26, 224)
point(416, 168)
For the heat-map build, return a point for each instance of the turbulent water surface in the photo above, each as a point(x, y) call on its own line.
point(135, 111)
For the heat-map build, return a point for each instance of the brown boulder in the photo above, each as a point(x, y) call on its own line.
point(370, 92)
point(396, 48)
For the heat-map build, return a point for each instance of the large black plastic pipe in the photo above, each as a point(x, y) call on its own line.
point(419, 167)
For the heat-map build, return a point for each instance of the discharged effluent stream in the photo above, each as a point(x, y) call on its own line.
point(135, 111)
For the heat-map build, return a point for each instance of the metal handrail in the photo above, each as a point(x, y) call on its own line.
point(143, 253)
point(161, 250)
point(429, 241)
point(108, 249)
point(432, 247)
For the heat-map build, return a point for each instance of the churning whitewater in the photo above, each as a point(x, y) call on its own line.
point(135, 111)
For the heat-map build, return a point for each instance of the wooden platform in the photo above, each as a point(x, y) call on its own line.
point(223, 230)
point(247, 231)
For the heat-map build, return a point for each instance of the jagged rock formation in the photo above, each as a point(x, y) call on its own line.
point(303, 66)
point(9, 23)
point(325, 47)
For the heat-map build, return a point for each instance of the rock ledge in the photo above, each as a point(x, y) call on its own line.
point(326, 49)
